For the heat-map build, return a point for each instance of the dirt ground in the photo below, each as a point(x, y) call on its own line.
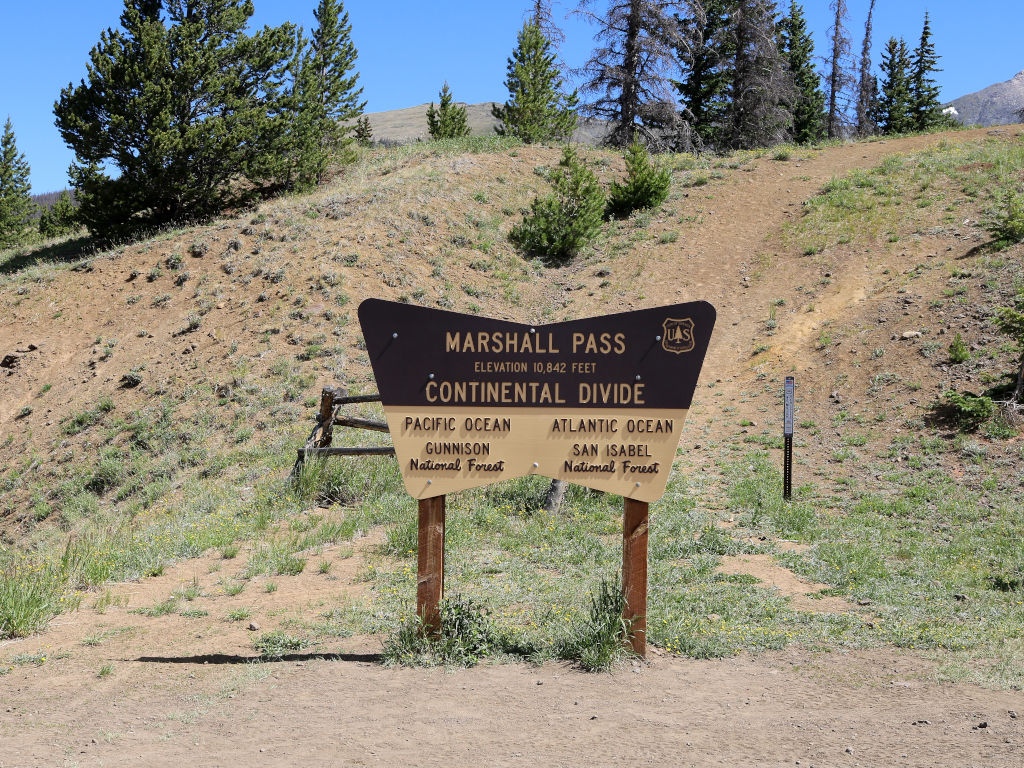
point(182, 690)
point(789, 708)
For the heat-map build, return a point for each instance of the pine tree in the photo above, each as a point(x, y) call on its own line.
point(797, 48)
point(895, 106)
point(561, 224)
point(839, 78)
point(59, 219)
point(646, 185)
point(16, 207)
point(865, 125)
point(449, 120)
point(363, 132)
point(762, 87)
point(704, 53)
point(181, 103)
point(333, 57)
point(628, 74)
point(536, 110)
point(924, 93)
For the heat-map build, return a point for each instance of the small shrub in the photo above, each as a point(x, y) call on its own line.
point(598, 641)
point(561, 224)
point(646, 186)
point(466, 634)
point(274, 645)
point(958, 351)
point(1006, 222)
point(967, 410)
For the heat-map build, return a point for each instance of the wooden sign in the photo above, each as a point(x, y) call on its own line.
point(598, 402)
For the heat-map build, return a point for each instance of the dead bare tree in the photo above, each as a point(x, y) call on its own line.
point(865, 90)
point(763, 89)
point(840, 80)
point(540, 14)
point(628, 74)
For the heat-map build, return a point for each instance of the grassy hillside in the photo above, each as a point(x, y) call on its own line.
point(158, 392)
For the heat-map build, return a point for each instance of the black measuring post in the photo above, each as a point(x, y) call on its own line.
point(787, 432)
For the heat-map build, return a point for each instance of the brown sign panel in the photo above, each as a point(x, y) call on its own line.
point(473, 400)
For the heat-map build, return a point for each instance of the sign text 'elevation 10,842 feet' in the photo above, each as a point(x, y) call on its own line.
point(598, 402)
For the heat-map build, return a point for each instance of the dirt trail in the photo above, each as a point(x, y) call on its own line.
point(791, 708)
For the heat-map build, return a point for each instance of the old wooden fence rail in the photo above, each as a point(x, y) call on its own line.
point(332, 400)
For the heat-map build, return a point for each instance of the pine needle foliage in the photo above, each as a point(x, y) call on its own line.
point(16, 206)
point(646, 185)
point(561, 224)
point(895, 104)
point(1010, 320)
point(797, 48)
point(449, 120)
point(924, 92)
point(536, 110)
point(704, 51)
point(363, 132)
point(179, 103)
point(60, 219)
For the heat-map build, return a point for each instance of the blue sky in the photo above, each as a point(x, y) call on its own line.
point(408, 48)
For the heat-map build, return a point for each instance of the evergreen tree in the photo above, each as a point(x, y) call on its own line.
point(704, 53)
point(762, 87)
point(797, 48)
point(628, 74)
point(646, 185)
point(182, 103)
point(924, 93)
point(16, 207)
point(895, 106)
point(865, 125)
point(839, 78)
point(561, 224)
point(59, 219)
point(302, 149)
point(363, 131)
point(333, 57)
point(449, 120)
point(536, 110)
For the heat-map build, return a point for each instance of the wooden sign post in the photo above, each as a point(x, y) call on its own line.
point(430, 561)
point(599, 402)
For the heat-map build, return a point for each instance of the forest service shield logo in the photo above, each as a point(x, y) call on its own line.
point(678, 336)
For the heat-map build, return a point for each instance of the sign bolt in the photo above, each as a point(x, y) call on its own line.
point(533, 330)
point(394, 335)
point(638, 484)
point(657, 338)
point(535, 465)
point(431, 376)
point(638, 377)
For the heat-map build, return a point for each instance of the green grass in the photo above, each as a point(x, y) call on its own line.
point(868, 205)
point(277, 644)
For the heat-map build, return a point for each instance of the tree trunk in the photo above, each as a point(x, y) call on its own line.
point(553, 498)
point(629, 100)
point(836, 74)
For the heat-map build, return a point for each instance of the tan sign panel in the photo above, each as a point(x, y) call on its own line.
point(598, 402)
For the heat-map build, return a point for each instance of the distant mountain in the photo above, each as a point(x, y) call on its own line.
point(996, 105)
point(401, 126)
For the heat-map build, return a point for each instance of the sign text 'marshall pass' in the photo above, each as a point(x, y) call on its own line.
point(473, 400)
